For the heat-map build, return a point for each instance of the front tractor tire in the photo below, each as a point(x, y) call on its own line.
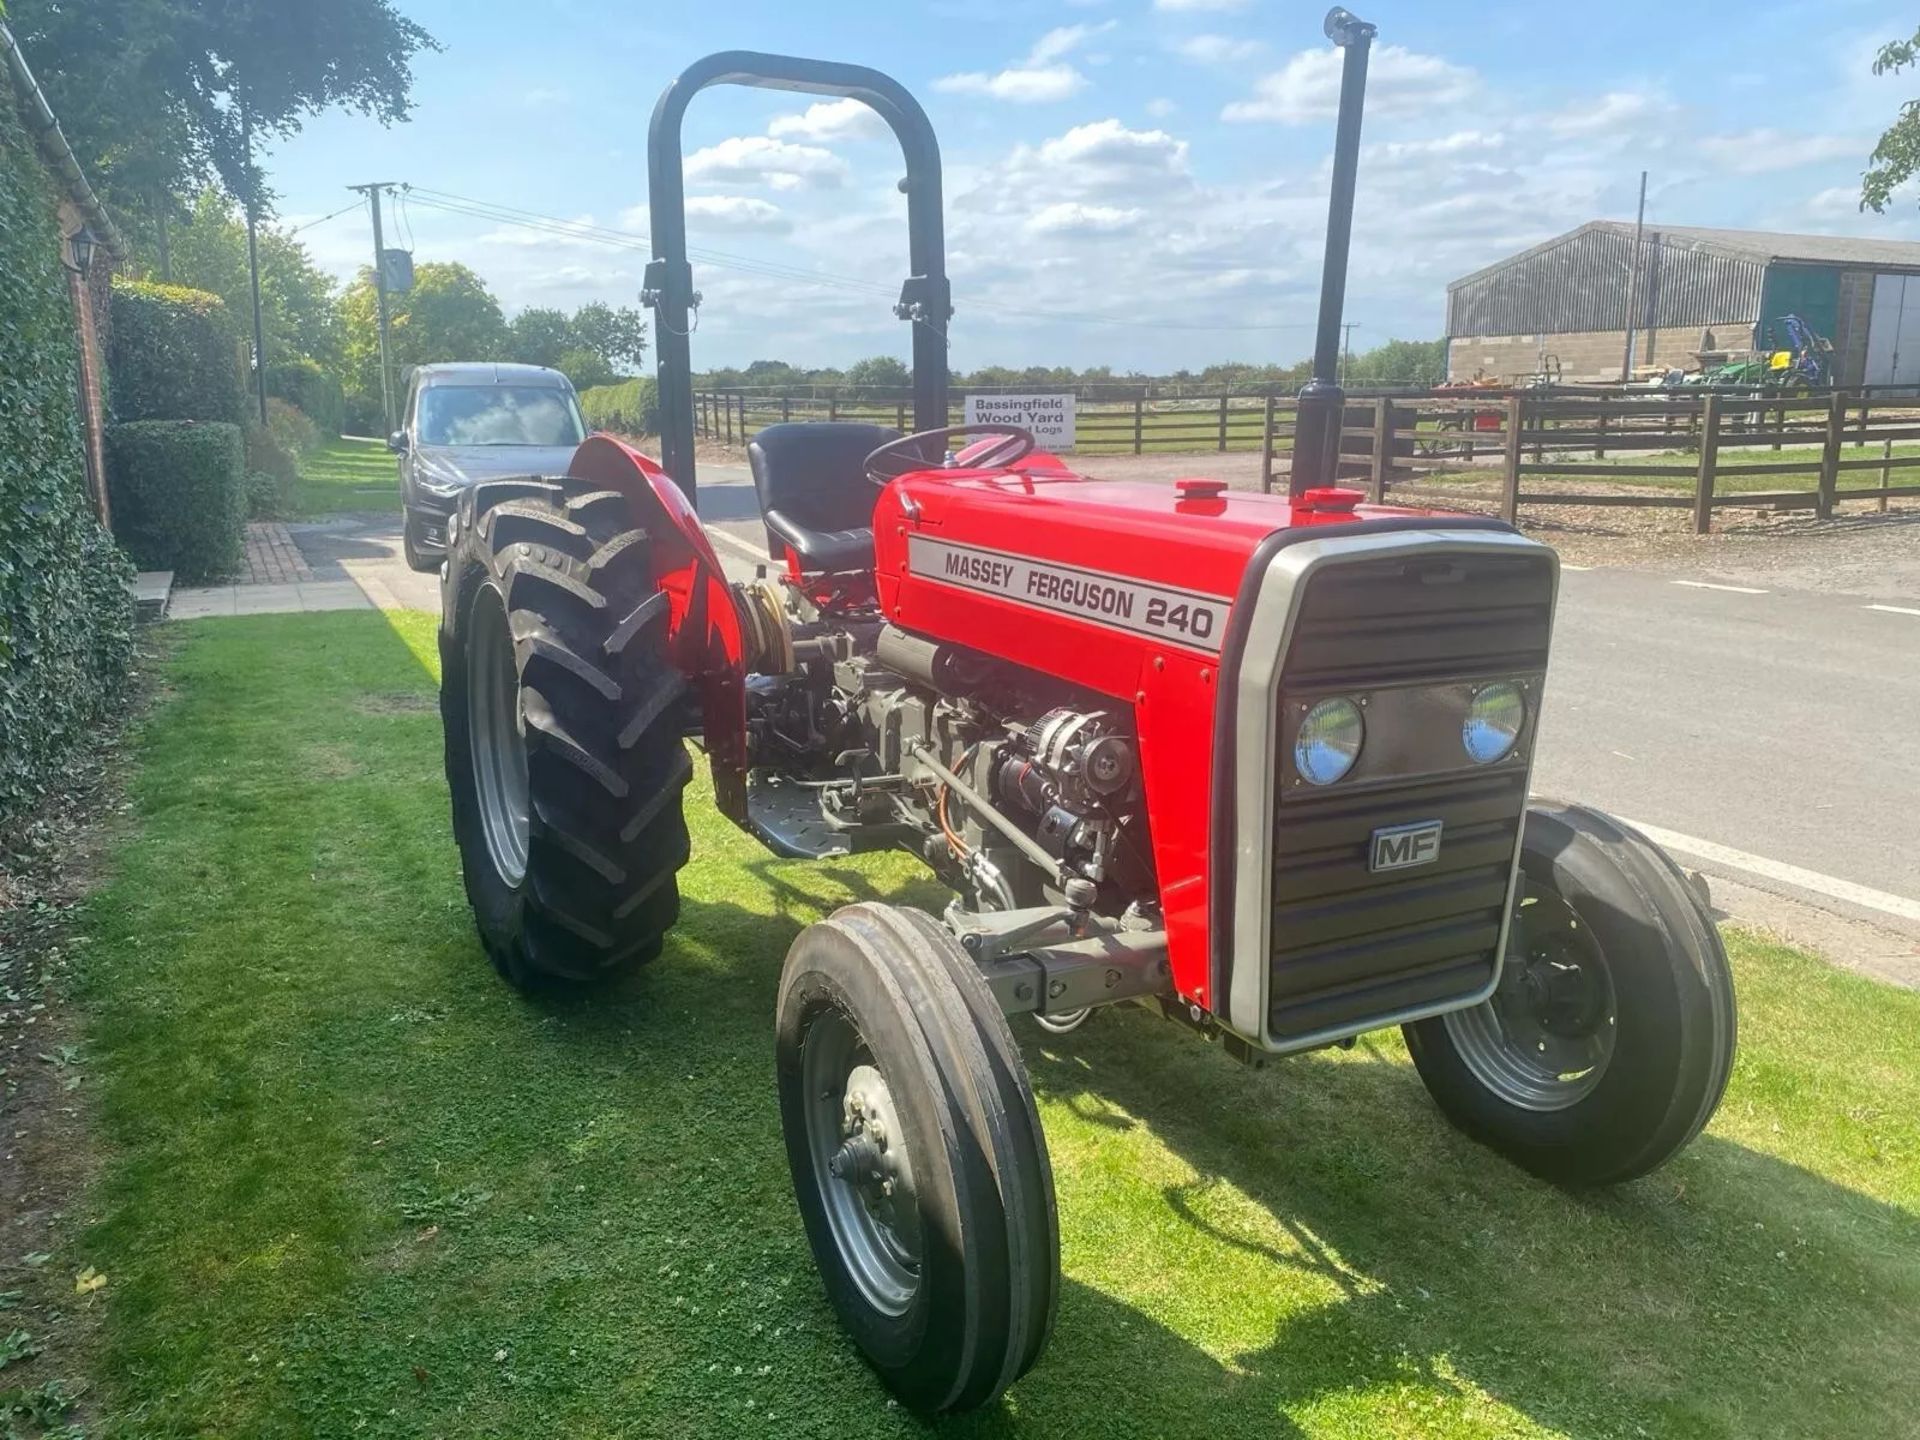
point(1608, 1045)
point(563, 721)
point(917, 1156)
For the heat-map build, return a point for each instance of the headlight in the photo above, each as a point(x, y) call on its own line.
point(1328, 741)
point(438, 484)
point(1494, 717)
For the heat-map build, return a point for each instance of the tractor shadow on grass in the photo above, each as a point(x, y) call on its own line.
point(1726, 1294)
point(1406, 1270)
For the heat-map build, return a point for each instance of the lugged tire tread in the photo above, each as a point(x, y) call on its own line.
point(600, 704)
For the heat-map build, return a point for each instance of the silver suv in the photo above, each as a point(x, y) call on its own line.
point(470, 421)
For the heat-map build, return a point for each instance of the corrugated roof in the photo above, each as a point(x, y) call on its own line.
point(1764, 246)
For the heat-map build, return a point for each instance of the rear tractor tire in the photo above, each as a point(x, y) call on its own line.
point(1608, 1045)
point(917, 1156)
point(563, 721)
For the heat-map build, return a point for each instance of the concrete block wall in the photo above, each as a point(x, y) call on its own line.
point(1585, 354)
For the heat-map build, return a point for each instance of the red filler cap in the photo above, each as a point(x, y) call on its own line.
point(1329, 500)
point(1195, 487)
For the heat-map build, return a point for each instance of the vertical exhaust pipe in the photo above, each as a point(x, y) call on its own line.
point(1316, 436)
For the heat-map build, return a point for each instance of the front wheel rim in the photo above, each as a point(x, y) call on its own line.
point(859, 1164)
point(1545, 1039)
point(497, 747)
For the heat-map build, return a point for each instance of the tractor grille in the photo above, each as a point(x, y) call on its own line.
point(1350, 945)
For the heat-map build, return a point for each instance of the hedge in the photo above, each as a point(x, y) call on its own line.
point(311, 390)
point(630, 408)
point(66, 620)
point(173, 355)
point(179, 496)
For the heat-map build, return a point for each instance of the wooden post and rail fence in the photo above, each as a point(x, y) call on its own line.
point(1698, 450)
point(1686, 450)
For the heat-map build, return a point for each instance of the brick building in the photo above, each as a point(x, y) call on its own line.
point(91, 246)
point(1563, 305)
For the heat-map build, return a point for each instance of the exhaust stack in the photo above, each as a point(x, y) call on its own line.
point(1316, 441)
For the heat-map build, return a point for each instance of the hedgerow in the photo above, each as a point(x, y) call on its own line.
point(630, 408)
point(66, 621)
point(173, 355)
point(316, 394)
point(179, 496)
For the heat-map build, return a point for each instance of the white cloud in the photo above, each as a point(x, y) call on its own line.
point(1194, 7)
point(1612, 111)
point(1218, 49)
point(1072, 218)
point(847, 119)
point(738, 213)
point(1399, 82)
point(1836, 202)
point(519, 237)
point(1063, 40)
point(1160, 107)
point(1458, 145)
point(1106, 151)
point(760, 160)
point(1020, 85)
point(1762, 151)
point(1040, 78)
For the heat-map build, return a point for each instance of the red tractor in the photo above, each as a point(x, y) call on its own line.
point(1260, 762)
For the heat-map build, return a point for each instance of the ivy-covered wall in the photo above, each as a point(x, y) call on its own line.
point(65, 617)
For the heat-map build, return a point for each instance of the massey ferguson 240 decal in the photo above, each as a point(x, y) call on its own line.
point(1180, 617)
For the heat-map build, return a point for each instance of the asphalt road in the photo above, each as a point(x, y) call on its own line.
point(1776, 729)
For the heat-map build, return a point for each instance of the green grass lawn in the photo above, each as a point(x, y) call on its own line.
point(357, 1187)
point(347, 475)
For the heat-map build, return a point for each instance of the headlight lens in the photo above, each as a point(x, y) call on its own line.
point(1494, 718)
point(1328, 741)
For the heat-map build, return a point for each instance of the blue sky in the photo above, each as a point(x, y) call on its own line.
point(1139, 183)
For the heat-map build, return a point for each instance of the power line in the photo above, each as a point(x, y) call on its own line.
point(639, 241)
point(308, 225)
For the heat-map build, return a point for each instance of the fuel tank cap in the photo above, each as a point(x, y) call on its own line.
point(1196, 487)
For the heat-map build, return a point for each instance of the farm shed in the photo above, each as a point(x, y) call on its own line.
point(1568, 300)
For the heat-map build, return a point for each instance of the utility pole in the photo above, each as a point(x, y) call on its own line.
point(372, 192)
point(253, 266)
point(1346, 348)
point(1633, 280)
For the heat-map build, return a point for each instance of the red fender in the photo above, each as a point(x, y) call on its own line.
point(704, 637)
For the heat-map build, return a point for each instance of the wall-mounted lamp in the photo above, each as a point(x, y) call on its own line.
point(80, 245)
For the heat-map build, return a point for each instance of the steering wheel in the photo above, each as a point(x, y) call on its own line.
point(909, 453)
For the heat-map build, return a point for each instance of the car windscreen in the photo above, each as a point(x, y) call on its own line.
point(497, 415)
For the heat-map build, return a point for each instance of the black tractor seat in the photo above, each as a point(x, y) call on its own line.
point(814, 492)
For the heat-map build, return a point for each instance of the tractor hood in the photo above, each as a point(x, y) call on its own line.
point(1047, 562)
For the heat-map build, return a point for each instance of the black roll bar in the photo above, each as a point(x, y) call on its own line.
point(1323, 404)
point(925, 298)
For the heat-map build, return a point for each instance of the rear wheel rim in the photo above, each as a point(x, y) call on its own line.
point(498, 747)
point(1543, 1042)
point(859, 1164)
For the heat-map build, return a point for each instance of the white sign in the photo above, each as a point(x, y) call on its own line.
point(1180, 617)
point(1049, 417)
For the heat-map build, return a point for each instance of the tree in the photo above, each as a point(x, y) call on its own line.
point(1897, 156)
point(448, 315)
point(878, 372)
point(155, 92)
point(1399, 362)
point(618, 336)
point(540, 336)
point(585, 368)
point(296, 296)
